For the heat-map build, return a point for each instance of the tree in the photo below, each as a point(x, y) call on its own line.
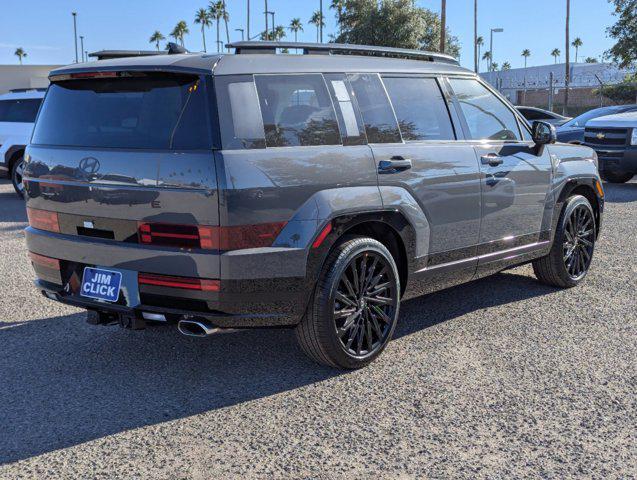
point(556, 54)
point(317, 19)
point(624, 32)
point(487, 58)
point(20, 53)
point(179, 31)
point(506, 66)
point(295, 27)
point(577, 43)
point(393, 23)
point(276, 34)
point(494, 66)
point(226, 18)
point(338, 6)
point(202, 17)
point(590, 60)
point(215, 9)
point(526, 53)
point(155, 38)
point(480, 44)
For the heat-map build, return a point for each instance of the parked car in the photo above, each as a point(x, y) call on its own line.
point(18, 110)
point(573, 130)
point(307, 191)
point(533, 114)
point(614, 138)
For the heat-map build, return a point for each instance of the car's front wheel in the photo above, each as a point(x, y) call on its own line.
point(354, 308)
point(614, 177)
point(572, 252)
point(17, 170)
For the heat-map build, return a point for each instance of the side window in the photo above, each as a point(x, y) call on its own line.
point(297, 110)
point(23, 111)
point(487, 117)
point(379, 118)
point(420, 108)
point(349, 121)
point(239, 116)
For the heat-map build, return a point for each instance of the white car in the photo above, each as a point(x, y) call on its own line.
point(18, 110)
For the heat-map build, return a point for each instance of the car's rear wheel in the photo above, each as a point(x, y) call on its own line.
point(572, 252)
point(614, 177)
point(17, 169)
point(355, 305)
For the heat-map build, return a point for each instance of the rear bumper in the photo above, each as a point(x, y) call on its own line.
point(258, 287)
point(618, 160)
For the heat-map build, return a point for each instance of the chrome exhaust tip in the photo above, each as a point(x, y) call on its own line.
point(197, 328)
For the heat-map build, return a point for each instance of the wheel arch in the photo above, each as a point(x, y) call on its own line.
point(588, 189)
point(12, 155)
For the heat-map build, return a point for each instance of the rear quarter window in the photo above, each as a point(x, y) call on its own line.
point(19, 110)
point(150, 111)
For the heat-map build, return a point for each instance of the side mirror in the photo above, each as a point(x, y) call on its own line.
point(544, 133)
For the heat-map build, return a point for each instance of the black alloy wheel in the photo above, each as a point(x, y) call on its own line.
point(579, 241)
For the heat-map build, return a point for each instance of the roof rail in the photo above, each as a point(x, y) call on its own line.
point(341, 49)
point(171, 48)
point(25, 90)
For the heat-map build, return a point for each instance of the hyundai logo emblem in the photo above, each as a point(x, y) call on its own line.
point(89, 165)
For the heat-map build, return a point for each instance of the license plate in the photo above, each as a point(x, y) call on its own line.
point(101, 284)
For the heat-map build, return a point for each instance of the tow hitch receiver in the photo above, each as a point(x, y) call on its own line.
point(106, 318)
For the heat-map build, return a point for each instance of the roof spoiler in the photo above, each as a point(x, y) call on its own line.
point(249, 47)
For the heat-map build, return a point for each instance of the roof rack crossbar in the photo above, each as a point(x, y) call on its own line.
point(247, 47)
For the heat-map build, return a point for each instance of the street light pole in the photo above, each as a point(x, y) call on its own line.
point(82, 45)
point(239, 30)
point(493, 30)
point(247, 22)
point(321, 21)
point(75, 33)
point(443, 25)
point(476, 60)
point(266, 20)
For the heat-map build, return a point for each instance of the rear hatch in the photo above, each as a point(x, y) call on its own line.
point(126, 158)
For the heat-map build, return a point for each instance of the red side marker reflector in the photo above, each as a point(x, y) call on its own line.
point(46, 262)
point(324, 233)
point(43, 220)
point(187, 283)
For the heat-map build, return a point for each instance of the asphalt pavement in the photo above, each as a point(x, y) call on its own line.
point(500, 378)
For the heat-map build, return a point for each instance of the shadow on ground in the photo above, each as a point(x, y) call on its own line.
point(65, 382)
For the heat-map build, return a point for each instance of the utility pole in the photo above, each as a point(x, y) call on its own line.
point(321, 21)
point(75, 33)
point(567, 77)
point(476, 60)
point(247, 22)
point(240, 30)
point(82, 45)
point(266, 20)
point(443, 25)
point(493, 30)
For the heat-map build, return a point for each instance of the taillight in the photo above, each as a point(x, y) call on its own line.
point(188, 283)
point(46, 262)
point(43, 220)
point(207, 237)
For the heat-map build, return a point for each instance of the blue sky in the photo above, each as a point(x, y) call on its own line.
point(44, 28)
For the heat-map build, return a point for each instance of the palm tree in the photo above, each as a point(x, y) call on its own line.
point(202, 17)
point(179, 31)
point(556, 54)
point(296, 26)
point(480, 43)
point(278, 33)
point(156, 38)
point(225, 16)
point(506, 66)
point(487, 57)
point(20, 53)
point(317, 19)
point(526, 53)
point(339, 6)
point(577, 43)
point(494, 66)
point(216, 13)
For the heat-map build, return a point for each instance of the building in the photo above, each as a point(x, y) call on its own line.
point(24, 76)
point(531, 86)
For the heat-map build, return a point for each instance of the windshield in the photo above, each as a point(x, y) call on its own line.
point(595, 113)
point(145, 111)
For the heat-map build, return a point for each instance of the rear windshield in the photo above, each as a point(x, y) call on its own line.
point(150, 111)
point(20, 111)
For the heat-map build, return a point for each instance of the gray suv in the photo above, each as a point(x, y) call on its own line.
point(312, 191)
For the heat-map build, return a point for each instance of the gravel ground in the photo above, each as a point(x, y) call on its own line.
point(501, 378)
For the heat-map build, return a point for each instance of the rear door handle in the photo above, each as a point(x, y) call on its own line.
point(394, 165)
point(491, 159)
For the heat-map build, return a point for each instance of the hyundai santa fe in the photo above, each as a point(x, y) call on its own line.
point(312, 191)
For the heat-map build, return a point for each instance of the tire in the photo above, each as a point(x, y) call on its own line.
point(613, 177)
point(571, 255)
point(366, 323)
point(17, 168)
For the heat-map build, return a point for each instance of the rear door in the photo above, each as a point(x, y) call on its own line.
point(515, 175)
point(412, 136)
